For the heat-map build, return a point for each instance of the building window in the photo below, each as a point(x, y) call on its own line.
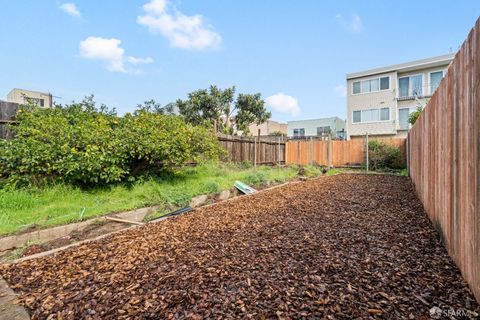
point(403, 116)
point(323, 130)
point(357, 116)
point(384, 114)
point(435, 79)
point(356, 87)
point(34, 101)
point(371, 115)
point(371, 85)
point(410, 86)
point(385, 83)
point(297, 133)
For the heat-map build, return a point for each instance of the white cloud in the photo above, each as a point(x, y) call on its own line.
point(341, 90)
point(109, 50)
point(187, 32)
point(283, 103)
point(71, 9)
point(353, 24)
point(137, 61)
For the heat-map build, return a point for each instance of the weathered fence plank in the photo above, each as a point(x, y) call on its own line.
point(444, 155)
point(243, 149)
point(7, 111)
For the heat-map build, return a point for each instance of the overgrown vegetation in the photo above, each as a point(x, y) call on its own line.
point(63, 203)
point(84, 145)
point(415, 115)
point(382, 156)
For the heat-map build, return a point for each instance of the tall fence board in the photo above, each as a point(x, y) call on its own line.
point(337, 153)
point(444, 152)
point(7, 111)
point(244, 149)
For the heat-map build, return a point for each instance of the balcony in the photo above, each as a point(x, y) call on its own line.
point(413, 92)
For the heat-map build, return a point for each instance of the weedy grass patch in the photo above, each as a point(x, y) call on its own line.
point(22, 209)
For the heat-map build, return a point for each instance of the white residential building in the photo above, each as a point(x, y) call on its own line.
point(301, 129)
point(379, 101)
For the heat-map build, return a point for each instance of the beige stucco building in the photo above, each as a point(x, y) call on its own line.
point(268, 128)
point(22, 96)
point(379, 101)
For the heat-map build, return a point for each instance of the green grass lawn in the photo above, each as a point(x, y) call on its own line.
point(60, 204)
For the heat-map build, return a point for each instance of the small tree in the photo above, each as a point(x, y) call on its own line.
point(251, 109)
point(415, 115)
point(214, 105)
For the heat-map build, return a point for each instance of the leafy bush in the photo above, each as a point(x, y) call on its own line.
point(85, 145)
point(257, 178)
point(383, 156)
point(415, 115)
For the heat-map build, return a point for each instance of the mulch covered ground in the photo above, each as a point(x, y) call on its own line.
point(340, 247)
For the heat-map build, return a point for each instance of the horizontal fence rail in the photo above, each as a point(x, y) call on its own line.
point(255, 150)
point(338, 153)
point(444, 152)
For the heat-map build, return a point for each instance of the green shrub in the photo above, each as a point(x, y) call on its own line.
point(382, 156)
point(245, 164)
point(211, 186)
point(256, 178)
point(415, 115)
point(312, 171)
point(85, 145)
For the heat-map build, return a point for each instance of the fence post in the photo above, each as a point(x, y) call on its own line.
point(311, 151)
point(366, 148)
point(329, 151)
point(255, 153)
point(278, 151)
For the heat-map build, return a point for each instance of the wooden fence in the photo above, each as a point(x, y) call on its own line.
point(334, 153)
point(248, 148)
point(7, 111)
point(444, 152)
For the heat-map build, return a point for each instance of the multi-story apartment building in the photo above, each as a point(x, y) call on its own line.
point(22, 96)
point(300, 129)
point(379, 101)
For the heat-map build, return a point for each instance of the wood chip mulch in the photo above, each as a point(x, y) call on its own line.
point(340, 247)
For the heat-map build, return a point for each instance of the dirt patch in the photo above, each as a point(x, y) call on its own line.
point(347, 246)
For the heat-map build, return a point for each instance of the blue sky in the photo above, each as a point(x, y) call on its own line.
point(296, 53)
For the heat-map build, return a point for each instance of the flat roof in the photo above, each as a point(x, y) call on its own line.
point(407, 66)
point(27, 90)
point(317, 119)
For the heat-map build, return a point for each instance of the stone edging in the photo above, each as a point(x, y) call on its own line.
point(44, 235)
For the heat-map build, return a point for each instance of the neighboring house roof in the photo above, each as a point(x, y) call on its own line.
point(407, 66)
point(319, 119)
point(31, 91)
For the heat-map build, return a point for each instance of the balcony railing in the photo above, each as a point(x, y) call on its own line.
point(404, 93)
